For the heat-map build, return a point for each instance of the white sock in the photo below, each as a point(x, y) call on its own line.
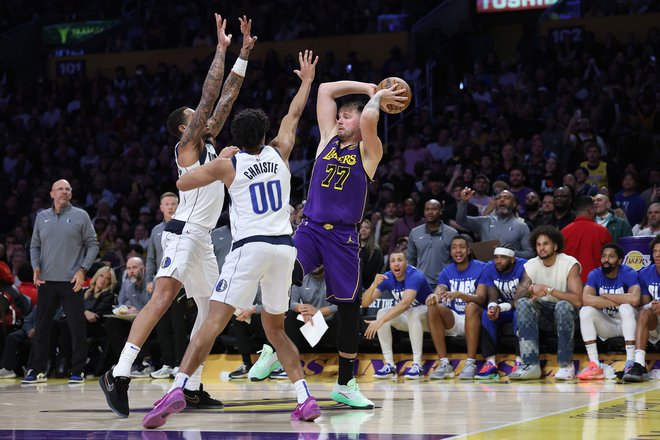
point(630, 352)
point(519, 360)
point(640, 357)
point(492, 360)
point(126, 359)
point(302, 392)
point(469, 361)
point(195, 379)
point(389, 358)
point(180, 381)
point(592, 352)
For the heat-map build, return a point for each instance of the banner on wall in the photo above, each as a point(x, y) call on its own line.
point(484, 6)
point(62, 34)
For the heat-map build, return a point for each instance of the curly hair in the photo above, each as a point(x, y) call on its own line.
point(618, 250)
point(551, 232)
point(176, 118)
point(249, 128)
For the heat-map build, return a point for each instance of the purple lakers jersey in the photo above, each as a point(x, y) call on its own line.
point(338, 188)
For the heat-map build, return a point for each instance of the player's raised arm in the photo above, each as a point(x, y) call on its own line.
point(326, 107)
point(234, 80)
point(286, 136)
point(191, 139)
point(219, 168)
point(372, 147)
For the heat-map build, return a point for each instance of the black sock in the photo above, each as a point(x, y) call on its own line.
point(247, 360)
point(346, 367)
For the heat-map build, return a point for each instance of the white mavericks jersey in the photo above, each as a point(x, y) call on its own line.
point(260, 195)
point(201, 206)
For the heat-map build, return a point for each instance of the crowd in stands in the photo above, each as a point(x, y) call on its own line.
point(557, 122)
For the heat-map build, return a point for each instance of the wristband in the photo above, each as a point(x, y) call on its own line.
point(504, 307)
point(493, 304)
point(240, 67)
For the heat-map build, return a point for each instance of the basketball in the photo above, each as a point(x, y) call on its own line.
point(386, 83)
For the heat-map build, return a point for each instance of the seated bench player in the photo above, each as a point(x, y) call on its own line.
point(499, 278)
point(609, 308)
point(409, 287)
point(455, 308)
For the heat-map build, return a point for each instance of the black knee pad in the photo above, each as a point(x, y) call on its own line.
point(348, 338)
point(298, 274)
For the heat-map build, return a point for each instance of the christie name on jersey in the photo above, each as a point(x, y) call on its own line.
point(260, 168)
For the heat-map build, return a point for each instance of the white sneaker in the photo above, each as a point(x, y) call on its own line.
point(7, 374)
point(566, 373)
point(163, 373)
point(414, 373)
point(266, 364)
point(444, 371)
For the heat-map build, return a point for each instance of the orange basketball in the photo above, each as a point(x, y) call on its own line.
point(386, 83)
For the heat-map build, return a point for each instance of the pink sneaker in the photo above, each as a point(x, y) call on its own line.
point(307, 411)
point(171, 403)
point(592, 372)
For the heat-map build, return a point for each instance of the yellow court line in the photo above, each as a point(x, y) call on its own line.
point(628, 417)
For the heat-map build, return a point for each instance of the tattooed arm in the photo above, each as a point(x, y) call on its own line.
point(524, 287)
point(233, 83)
point(191, 139)
point(372, 147)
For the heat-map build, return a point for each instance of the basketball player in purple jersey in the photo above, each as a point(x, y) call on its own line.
point(346, 161)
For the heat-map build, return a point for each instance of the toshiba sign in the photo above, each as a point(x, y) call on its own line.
point(512, 5)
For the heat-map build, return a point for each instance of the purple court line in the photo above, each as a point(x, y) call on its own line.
point(41, 434)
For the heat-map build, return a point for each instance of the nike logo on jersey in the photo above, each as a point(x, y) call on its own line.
point(47, 220)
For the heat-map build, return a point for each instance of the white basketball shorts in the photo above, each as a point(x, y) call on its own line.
point(189, 258)
point(253, 264)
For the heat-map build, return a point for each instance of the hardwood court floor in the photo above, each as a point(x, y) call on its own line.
point(404, 410)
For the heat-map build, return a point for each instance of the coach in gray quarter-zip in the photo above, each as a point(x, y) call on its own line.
point(503, 224)
point(63, 247)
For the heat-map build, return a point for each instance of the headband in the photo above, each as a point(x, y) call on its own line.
point(504, 251)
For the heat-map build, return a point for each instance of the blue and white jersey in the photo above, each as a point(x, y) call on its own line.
point(506, 282)
point(200, 206)
point(414, 279)
point(625, 279)
point(649, 281)
point(461, 281)
point(260, 195)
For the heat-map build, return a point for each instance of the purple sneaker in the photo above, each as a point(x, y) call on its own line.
point(307, 411)
point(172, 403)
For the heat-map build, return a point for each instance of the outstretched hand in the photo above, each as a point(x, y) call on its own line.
point(466, 194)
point(229, 152)
point(246, 27)
point(223, 39)
point(307, 66)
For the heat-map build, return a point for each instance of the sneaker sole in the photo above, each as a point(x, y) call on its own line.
point(446, 376)
point(157, 418)
point(341, 399)
point(107, 398)
point(465, 377)
point(489, 377)
point(632, 379)
point(412, 377)
point(391, 376)
point(275, 366)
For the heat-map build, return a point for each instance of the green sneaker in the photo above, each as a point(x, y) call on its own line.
point(266, 364)
point(350, 395)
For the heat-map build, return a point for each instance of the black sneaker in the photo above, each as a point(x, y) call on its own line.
point(240, 373)
point(116, 392)
point(77, 378)
point(201, 399)
point(637, 373)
